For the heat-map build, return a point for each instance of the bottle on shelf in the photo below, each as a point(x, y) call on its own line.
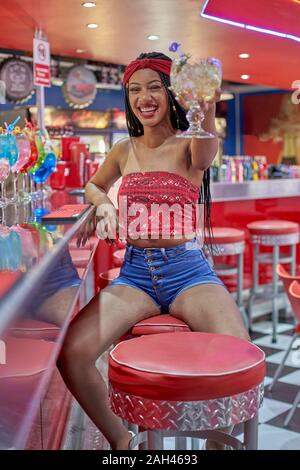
point(255, 170)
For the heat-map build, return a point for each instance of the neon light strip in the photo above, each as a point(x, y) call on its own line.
point(247, 26)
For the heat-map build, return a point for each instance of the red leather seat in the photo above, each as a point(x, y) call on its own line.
point(159, 324)
point(80, 257)
point(34, 329)
point(81, 272)
point(188, 366)
point(273, 227)
point(106, 276)
point(223, 235)
point(118, 257)
point(26, 361)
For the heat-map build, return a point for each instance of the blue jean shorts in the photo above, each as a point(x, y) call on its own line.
point(163, 273)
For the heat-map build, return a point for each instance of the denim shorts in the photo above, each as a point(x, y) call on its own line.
point(163, 273)
point(62, 275)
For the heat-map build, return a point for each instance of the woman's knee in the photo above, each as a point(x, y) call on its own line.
point(74, 353)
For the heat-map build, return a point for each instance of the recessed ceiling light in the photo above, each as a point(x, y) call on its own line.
point(92, 25)
point(226, 95)
point(244, 55)
point(153, 37)
point(80, 51)
point(88, 4)
point(245, 77)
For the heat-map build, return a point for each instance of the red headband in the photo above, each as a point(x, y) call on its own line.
point(159, 65)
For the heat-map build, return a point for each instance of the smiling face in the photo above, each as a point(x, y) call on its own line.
point(148, 98)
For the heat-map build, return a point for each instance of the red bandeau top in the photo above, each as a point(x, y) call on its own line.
point(157, 204)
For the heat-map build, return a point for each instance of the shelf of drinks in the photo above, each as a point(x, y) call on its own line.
point(237, 169)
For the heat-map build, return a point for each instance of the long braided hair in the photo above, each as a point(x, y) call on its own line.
point(178, 121)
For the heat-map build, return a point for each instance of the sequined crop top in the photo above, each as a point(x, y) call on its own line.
point(154, 204)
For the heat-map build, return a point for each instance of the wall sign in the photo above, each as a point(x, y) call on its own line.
point(18, 78)
point(80, 87)
point(41, 62)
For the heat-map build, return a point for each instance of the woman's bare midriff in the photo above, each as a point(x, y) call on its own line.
point(160, 243)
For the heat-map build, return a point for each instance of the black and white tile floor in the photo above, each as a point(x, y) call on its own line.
point(272, 435)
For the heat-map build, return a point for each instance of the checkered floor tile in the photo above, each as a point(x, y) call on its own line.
point(272, 433)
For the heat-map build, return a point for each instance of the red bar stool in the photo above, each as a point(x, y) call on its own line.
point(293, 293)
point(163, 323)
point(231, 241)
point(107, 276)
point(34, 329)
point(118, 257)
point(188, 384)
point(80, 257)
point(26, 361)
point(294, 297)
point(273, 234)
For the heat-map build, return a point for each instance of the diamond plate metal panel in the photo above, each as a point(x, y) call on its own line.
point(271, 240)
point(187, 416)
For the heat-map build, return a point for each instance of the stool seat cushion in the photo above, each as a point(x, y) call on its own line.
point(273, 227)
point(118, 257)
point(80, 257)
point(228, 235)
point(110, 274)
point(186, 366)
point(25, 357)
point(159, 324)
point(34, 329)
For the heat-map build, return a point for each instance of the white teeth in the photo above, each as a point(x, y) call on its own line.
point(145, 110)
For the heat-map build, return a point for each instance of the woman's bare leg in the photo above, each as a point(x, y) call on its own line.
point(99, 325)
point(210, 308)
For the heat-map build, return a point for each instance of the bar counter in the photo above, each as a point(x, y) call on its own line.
point(45, 279)
point(261, 189)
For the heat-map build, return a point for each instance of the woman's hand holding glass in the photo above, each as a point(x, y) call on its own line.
point(196, 85)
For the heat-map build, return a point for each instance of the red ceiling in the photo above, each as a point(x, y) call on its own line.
point(279, 15)
point(125, 24)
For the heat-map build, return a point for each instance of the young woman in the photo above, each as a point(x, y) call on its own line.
point(161, 272)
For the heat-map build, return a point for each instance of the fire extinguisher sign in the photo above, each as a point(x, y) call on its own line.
point(41, 62)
